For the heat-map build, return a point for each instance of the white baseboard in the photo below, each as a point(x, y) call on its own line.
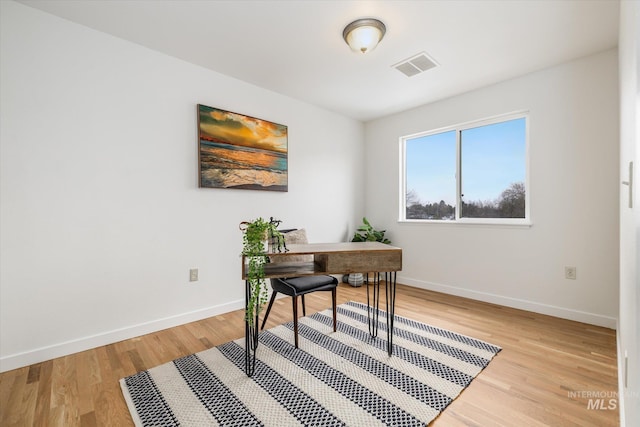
point(536, 307)
point(19, 360)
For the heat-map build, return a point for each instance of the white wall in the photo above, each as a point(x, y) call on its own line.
point(101, 218)
point(573, 111)
point(629, 321)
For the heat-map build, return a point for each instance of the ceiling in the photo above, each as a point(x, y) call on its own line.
point(295, 48)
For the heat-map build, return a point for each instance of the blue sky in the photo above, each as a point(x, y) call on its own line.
point(493, 157)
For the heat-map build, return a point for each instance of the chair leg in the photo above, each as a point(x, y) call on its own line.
point(333, 302)
point(304, 310)
point(294, 299)
point(273, 298)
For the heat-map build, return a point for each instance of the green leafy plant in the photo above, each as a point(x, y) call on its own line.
point(254, 237)
point(366, 233)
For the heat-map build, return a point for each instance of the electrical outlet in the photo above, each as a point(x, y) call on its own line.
point(570, 273)
point(193, 275)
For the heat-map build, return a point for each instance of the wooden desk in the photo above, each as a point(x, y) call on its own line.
point(334, 258)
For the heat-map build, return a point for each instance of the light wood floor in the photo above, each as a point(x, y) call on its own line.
point(529, 383)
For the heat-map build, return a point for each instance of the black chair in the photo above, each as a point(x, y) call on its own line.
point(300, 286)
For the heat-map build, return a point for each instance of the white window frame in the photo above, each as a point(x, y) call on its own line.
point(526, 221)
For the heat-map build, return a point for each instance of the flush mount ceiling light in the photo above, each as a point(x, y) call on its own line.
point(363, 35)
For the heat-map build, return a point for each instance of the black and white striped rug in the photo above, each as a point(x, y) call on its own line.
point(344, 378)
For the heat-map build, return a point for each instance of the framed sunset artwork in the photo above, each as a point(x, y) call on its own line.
point(241, 152)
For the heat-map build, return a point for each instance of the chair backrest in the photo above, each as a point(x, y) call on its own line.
point(294, 236)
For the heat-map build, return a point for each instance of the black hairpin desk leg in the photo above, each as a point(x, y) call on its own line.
point(373, 305)
point(250, 336)
point(390, 286)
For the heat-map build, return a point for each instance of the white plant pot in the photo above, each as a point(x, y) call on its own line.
point(356, 279)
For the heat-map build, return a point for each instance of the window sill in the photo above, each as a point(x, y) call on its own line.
point(467, 222)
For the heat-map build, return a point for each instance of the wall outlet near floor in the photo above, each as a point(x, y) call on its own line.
point(570, 273)
point(193, 275)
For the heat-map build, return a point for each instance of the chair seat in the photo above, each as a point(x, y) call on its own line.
point(301, 285)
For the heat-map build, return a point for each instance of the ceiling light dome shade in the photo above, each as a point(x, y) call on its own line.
point(363, 35)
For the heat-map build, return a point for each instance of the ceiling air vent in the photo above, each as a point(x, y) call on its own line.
point(415, 65)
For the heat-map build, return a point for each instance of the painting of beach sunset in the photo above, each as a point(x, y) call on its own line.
point(238, 151)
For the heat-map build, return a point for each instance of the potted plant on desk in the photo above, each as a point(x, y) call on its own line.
point(366, 233)
point(254, 248)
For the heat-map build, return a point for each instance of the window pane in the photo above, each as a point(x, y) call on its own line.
point(493, 170)
point(431, 176)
